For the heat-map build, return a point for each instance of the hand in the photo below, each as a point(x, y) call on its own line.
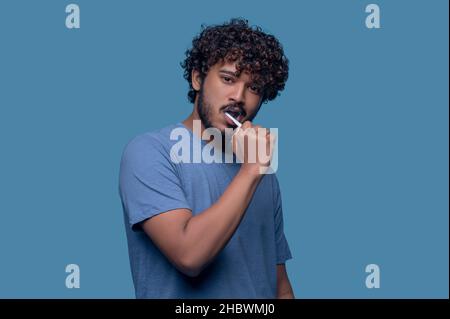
point(253, 146)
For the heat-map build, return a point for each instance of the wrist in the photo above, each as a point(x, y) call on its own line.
point(251, 171)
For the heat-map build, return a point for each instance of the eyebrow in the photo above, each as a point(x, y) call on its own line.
point(228, 72)
point(231, 73)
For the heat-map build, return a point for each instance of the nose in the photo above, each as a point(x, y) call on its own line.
point(238, 93)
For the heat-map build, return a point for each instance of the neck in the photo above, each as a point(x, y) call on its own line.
point(189, 123)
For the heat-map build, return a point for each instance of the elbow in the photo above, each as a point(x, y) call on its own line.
point(191, 272)
point(189, 267)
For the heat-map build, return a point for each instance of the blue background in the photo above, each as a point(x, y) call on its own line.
point(363, 125)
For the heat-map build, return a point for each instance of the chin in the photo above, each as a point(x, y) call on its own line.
point(220, 126)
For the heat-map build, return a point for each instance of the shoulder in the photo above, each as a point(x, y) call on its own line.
point(150, 146)
point(269, 185)
point(272, 181)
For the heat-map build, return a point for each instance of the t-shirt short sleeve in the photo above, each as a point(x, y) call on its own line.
point(149, 183)
point(281, 244)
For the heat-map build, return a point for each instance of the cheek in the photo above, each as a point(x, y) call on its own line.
point(253, 103)
point(215, 96)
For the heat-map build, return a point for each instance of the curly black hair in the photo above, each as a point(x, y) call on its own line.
point(254, 51)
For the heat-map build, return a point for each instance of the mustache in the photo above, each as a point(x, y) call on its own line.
point(234, 107)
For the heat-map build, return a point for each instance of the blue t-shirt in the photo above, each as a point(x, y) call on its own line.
point(151, 184)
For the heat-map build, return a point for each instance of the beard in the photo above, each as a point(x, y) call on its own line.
point(204, 109)
point(205, 113)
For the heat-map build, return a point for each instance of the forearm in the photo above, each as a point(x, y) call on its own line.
point(207, 233)
point(284, 289)
point(286, 295)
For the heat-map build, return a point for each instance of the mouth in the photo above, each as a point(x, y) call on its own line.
point(236, 113)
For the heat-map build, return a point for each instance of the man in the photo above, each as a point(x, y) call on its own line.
point(211, 230)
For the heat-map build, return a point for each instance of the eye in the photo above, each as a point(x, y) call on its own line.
point(227, 79)
point(254, 89)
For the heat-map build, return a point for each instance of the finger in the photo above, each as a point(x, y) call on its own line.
point(246, 124)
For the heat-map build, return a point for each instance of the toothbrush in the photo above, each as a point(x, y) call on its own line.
point(238, 124)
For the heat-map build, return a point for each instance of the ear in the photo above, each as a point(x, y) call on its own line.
point(196, 80)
